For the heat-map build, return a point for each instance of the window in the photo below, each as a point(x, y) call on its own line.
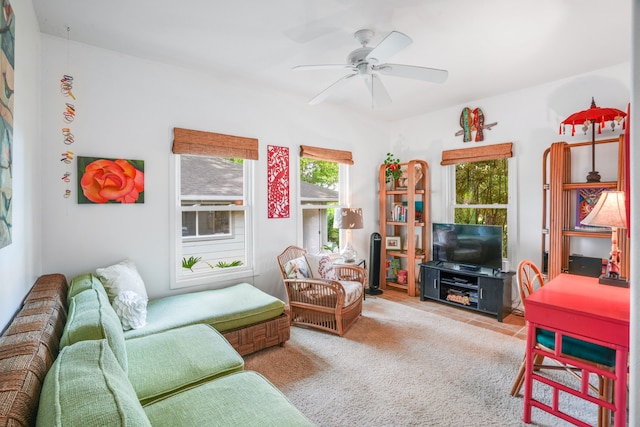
point(323, 178)
point(481, 178)
point(319, 196)
point(212, 214)
point(482, 194)
point(207, 223)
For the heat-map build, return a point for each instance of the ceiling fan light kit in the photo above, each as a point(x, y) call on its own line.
point(367, 62)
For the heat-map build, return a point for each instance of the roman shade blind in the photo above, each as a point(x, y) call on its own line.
point(317, 153)
point(477, 154)
point(186, 141)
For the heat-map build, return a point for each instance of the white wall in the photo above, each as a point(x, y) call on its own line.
point(127, 107)
point(530, 119)
point(20, 262)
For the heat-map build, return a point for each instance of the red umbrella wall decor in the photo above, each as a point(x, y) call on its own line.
point(588, 118)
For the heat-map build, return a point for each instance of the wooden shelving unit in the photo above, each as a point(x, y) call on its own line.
point(558, 206)
point(416, 190)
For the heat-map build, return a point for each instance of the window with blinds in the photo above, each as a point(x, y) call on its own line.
point(212, 210)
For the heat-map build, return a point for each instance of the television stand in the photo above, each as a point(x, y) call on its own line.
point(470, 289)
point(467, 267)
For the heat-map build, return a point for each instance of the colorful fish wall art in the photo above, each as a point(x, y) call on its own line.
point(473, 121)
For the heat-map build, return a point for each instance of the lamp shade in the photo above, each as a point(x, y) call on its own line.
point(347, 218)
point(609, 211)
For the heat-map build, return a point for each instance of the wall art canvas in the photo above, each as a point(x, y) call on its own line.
point(7, 47)
point(102, 180)
point(278, 181)
point(586, 200)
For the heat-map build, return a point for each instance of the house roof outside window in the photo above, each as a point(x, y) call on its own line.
point(214, 178)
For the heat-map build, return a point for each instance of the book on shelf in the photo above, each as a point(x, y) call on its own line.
point(392, 268)
point(418, 209)
point(399, 213)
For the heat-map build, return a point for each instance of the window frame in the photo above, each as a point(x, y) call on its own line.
point(343, 198)
point(180, 280)
point(208, 208)
point(511, 205)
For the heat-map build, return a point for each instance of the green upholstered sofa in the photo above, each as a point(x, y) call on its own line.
point(65, 360)
point(247, 317)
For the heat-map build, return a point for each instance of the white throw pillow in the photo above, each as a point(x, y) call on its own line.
point(321, 267)
point(122, 276)
point(131, 308)
point(126, 292)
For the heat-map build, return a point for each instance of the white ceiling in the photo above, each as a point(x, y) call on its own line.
point(489, 47)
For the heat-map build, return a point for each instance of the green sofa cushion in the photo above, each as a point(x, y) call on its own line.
point(224, 309)
point(91, 317)
point(242, 399)
point(82, 283)
point(578, 348)
point(87, 387)
point(167, 362)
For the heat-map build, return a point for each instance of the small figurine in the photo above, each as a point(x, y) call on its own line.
point(613, 266)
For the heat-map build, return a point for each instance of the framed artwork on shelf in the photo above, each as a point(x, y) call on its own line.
point(392, 243)
point(586, 199)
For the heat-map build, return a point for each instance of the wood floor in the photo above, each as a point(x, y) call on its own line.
point(512, 324)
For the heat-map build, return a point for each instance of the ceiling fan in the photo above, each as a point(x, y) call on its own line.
point(367, 62)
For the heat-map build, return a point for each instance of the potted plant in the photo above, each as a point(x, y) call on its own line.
point(393, 171)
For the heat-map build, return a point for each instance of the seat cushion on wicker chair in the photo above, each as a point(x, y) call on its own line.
point(225, 309)
point(353, 291)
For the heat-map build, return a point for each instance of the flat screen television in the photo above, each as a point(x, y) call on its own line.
point(468, 246)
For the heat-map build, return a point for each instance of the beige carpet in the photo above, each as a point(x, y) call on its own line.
point(399, 366)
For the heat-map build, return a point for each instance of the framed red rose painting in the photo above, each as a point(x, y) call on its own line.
point(102, 180)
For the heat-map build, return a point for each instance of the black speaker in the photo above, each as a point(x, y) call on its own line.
point(374, 264)
point(586, 266)
point(580, 265)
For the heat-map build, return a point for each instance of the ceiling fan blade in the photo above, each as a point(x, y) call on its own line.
point(392, 44)
point(378, 92)
point(433, 75)
point(321, 67)
point(325, 93)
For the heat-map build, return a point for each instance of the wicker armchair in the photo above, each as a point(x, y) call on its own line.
point(329, 305)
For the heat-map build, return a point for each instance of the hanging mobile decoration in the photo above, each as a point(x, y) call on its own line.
point(68, 116)
point(67, 156)
point(66, 84)
point(69, 113)
point(68, 136)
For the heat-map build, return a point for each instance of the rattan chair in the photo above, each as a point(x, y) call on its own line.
point(529, 279)
point(322, 303)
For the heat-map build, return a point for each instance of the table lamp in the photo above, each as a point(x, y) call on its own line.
point(609, 211)
point(348, 219)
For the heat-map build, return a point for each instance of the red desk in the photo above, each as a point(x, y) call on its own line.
point(580, 307)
